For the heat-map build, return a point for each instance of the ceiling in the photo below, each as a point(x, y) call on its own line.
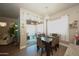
point(9, 10)
point(43, 9)
point(47, 8)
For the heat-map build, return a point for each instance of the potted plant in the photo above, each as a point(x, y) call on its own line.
point(12, 32)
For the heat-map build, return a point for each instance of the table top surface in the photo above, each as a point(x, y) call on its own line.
point(46, 39)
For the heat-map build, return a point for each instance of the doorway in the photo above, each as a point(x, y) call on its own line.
point(31, 33)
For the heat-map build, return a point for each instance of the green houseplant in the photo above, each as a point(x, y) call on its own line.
point(12, 30)
point(13, 33)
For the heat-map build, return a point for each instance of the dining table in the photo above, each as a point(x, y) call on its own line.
point(47, 40)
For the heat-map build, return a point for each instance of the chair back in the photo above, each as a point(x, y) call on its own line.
point(40, 43)
point(55, 39)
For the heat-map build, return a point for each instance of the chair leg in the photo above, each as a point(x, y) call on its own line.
point(38, 48)
point(41, 51)
point(57, 45)
point(55, 48)
point(51, 51)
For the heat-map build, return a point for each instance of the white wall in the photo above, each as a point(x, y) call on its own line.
point(22, 29)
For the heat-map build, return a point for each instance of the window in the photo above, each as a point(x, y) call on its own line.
point(59, 26)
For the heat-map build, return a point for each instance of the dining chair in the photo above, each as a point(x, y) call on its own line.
point(55, 42)
point(40, 45)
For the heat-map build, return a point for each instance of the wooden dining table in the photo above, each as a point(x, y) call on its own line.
point(47, 41)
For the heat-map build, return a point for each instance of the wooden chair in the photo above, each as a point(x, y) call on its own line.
point(40, 45)
point(55, 42)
